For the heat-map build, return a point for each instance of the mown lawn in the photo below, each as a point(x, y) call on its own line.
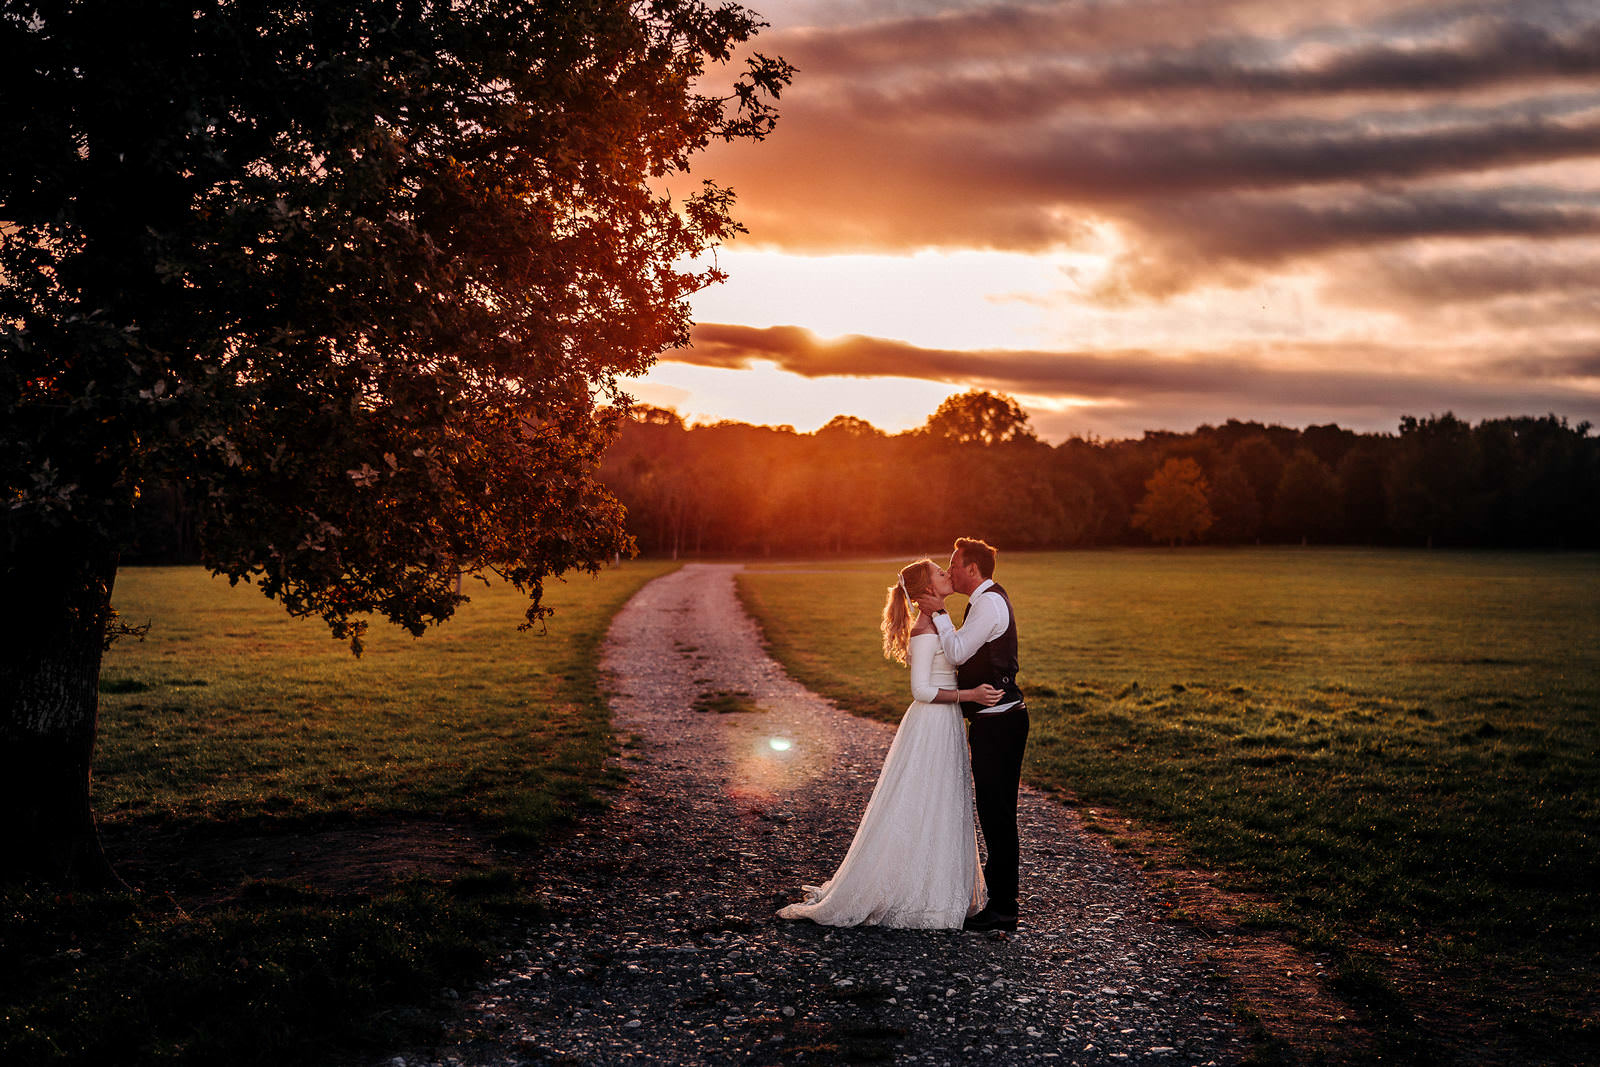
point(235, 731)
point(1401, 748)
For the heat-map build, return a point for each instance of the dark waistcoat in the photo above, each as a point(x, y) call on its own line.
point(995, 662)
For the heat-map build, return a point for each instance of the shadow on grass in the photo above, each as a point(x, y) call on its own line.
point(277, 972)
point(324, 845)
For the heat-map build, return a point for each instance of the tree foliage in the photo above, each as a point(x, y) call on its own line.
point(1174, 508)
point(354, 275)
point(1233, 499)
point(741, 489)
point(978, 417)
point(761, 490)
point(1431, 482)
point(1261, 462)
point(1306, 504)
point(354, 280)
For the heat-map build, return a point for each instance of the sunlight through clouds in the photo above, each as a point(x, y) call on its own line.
point(766, 395)
point(1241, 201)
point(958, 298)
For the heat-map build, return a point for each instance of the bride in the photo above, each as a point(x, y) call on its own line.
point(914, 860)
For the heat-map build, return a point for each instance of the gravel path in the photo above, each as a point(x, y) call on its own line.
point(661, 945)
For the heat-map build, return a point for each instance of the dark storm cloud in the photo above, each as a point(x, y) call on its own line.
point(1552, 273)
point(1099, 164)
point(1195, 128)
point(889, 187)
point(1138, 377)
point(1497, 52)
point(1192, 239)
point(1213, 74)
point(1006, 31)
point(1585, 365)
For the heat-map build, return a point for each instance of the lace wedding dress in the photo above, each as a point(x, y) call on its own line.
point(914, 860)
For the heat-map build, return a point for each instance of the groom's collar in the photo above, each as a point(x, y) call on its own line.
point(986, 583)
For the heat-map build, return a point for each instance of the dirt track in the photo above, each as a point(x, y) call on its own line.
point(662, 945)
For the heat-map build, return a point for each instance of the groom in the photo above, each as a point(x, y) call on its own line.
point(984, 649)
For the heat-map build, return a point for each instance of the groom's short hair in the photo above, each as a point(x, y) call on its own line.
point(971, 550)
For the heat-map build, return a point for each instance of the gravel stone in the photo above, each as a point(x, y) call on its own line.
point(660, 943)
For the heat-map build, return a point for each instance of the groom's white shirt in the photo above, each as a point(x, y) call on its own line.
point(987, 618)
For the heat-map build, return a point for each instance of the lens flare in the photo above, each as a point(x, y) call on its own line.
point(779, 744)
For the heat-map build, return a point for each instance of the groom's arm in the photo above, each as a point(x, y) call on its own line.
point(986, 620)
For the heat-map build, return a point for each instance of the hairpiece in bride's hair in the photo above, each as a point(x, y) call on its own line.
point(901, 582)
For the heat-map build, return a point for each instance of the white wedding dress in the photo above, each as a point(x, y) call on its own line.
point(914, 860)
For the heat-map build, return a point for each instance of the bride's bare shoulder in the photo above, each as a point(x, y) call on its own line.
point(922, 626)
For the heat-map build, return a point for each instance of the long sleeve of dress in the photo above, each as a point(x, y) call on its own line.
point(922, 687)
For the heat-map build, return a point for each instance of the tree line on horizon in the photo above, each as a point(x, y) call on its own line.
point(976, 468)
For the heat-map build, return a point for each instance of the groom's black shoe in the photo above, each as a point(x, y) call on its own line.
point(990, 919)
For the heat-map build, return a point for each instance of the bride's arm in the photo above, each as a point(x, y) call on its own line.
point(922, 687)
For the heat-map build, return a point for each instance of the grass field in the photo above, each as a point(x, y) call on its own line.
point(232, 725)
point(1401, 748)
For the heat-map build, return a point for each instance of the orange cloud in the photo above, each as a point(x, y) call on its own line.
point(1238, 131)
point(1236, 383)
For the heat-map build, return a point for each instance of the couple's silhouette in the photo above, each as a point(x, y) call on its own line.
point(914, 859)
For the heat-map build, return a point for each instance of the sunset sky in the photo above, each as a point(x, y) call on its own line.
point(1152, 214)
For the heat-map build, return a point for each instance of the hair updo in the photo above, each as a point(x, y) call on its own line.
point(915, 579)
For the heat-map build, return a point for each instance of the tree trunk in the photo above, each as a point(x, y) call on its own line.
point(49, 707)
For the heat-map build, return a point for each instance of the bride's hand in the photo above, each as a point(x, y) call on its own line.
point(987, 695)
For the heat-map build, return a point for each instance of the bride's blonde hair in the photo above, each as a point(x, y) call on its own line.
point(915, 578)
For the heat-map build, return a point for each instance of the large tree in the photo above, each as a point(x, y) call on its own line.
point(980, 417)
point(1432, 482)
point(1233, 500)
point(1362, 502)
point(1262, 464)
point(1306, 505)
point(1174, 508)
point(360, 277)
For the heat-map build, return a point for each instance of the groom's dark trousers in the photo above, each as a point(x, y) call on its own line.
point(997, 742)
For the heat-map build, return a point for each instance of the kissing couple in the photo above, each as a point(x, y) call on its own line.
point(914, 860)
